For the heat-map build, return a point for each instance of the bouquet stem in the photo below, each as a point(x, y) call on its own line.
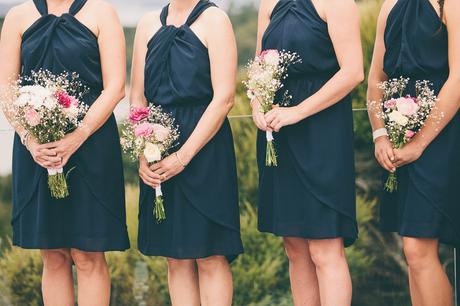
point(270, 156)
point(392, 183)
point(159, 210)
point(57, 183)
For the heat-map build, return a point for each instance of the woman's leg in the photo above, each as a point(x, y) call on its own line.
point(416, 297)
point(216, 285)
point(334, 279)
point(183, 282)
point(304, 283)
point(57, 281)
point(92, 277)
point(430, 284)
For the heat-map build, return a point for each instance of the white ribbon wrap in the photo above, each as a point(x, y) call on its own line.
point(269, 136)
point(158, 192)
point(55, 171)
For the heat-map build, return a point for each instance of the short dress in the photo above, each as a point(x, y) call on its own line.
point(311, 193)
point(93, 217)
point(426, 203)
point(201, 203)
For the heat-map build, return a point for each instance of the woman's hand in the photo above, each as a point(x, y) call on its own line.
point(168, 167)
point(149, 177)
point(67, 146)
point(407, 154)
point(46, 158)
point(258, 116)
point(280, 117)
point(384, 153)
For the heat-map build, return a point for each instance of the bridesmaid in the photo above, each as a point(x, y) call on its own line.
point(420, 40)
point(59, 36)
point(185, 61)
point(309, 199)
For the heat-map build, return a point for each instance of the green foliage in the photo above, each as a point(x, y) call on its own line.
point(261, 273)
point(244, 19)
point(20, 278)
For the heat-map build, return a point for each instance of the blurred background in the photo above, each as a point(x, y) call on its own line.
point(261, 275)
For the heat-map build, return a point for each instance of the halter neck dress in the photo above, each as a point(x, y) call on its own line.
point(92, 218)
point(201, 203)
point(311, 193)
point(426, 204)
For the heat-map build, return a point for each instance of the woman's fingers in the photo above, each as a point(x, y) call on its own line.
point(260, 122)
point(390, 153)
point(384, 161)
point(270, 117)
point(47, 146)
point(53, 159)
point(155, 166)
point(149, 181)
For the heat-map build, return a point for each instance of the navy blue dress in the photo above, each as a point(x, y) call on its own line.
point(201, 203)
point(426, 204)
point(311, 193)
point(92, 218)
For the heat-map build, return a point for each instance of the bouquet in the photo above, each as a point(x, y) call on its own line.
point(265, 75)
point(151, 132)
point(48, 107)
point(404, 115)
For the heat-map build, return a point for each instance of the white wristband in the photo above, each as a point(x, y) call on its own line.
point(379, 133)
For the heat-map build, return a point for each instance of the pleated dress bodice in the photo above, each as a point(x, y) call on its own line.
point(426, 202)
point(64, 44)
point(173, 47)
point(416, 43)
point(290, 19)
point(310, 194)
point(202, 216)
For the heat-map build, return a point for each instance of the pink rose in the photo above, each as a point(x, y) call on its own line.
point(64, 99)
point(271, 57)
point(32, 117)
point(161, 133)
point(139, 113)
point(390, 103)
point(269, 52)
point(407, 106)
point(409, 134)
point(143, 130)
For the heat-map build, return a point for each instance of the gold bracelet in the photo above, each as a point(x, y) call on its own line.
point(180, 160)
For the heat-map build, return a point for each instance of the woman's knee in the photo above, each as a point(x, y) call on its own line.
point(56, 259)
point(180, 265)
point(420, 253)
point(210, 264)
point(296, 249)
point(327, 252)
point(88, 261)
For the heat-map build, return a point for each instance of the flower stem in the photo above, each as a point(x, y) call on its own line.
point(392, 183)
point(159, 211)
point(270, 157)
point(58, 186)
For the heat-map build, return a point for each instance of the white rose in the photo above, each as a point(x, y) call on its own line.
point(22, 100)
point(272, 58)
point(71, 112)
point(152, 152)
point(399, 118)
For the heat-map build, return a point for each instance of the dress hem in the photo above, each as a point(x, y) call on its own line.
point(162, 253)
point(348, 240)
